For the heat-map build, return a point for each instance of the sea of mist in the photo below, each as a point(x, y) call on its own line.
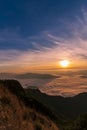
point(67, 83)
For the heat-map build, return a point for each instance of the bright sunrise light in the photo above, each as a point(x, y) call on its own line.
point(64, 63)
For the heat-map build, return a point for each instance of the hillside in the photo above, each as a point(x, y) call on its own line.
point(33, 110)
point(19, 113)
point(80, 123)
point(69, 107)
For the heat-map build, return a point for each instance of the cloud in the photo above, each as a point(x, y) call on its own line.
point(66, 86)
point(45, 48)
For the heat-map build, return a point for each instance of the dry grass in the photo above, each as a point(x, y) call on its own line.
point(15, 116)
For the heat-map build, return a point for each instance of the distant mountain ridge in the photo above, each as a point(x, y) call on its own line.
point(27, 75)
point(36, 75)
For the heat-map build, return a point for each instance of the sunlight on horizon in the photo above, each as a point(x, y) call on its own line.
point(64, 63)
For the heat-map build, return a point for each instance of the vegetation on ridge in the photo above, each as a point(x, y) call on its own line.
point(21, 111)
point(17, 112)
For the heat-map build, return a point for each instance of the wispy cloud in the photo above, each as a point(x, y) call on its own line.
point(47, 48)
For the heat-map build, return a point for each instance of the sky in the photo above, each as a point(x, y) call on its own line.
point(37, 34)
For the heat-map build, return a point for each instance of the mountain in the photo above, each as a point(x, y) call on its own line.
point(7, 75)
point(26, 76)
point(69, 107)
point(35, 75)
point(27, 109)
point(17, 112)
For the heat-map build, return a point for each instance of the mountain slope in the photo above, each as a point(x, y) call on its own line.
point(80, 123)
point(16, 113)
point(70, 107)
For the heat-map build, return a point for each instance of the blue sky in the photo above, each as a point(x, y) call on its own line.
point(28, 18)
point(32, 32)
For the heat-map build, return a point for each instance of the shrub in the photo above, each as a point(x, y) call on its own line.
point(5, 100)
point(26, 116)
point(38, 127)
point(33, 116)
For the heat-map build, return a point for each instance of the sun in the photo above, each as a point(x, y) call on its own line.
point(64, 63)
